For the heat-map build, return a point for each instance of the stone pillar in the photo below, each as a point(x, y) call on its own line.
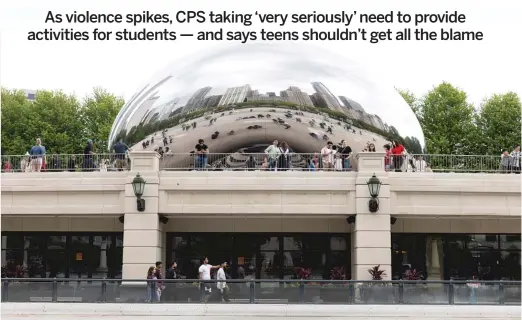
point(142, 231)
point(371, 236)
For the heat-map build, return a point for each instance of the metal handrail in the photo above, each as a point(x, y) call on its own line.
point(260, 161)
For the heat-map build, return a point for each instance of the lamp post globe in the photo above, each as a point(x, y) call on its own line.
point(138, 184)
point(374, 186)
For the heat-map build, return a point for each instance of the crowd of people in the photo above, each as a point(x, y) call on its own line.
point(163, 291)
point(276, 157)
point(37, 160)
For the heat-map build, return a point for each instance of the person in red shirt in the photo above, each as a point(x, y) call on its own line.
point(397, 156)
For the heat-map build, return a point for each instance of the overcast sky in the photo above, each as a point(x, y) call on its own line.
point(480, 68)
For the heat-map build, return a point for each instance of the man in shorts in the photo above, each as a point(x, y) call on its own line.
point(37, 155)
point(204, 274)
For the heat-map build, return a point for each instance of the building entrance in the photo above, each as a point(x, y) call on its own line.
point(261, 255)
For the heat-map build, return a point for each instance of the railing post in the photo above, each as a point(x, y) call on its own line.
point(501, 293)
point(55, 291)
point(451, 293)
point(104, 291)
point(5, 290)
point(301, 292)
point(401, 292)
point(252, 290)
point(201, 292)
point(351, 290)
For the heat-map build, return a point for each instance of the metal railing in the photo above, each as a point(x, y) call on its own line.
point(241, 161)
point(262, 291)
point(66, 162)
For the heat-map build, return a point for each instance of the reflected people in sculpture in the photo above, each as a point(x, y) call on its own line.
point(243, 97)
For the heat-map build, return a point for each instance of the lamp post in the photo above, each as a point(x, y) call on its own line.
point(138, 184)
point(374, 186)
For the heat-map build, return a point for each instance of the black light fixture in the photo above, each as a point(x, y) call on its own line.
point(121, 219)
point(374, 186)
point(138, 184)
point(350, 219)
point(393, 220)
point(163, 219)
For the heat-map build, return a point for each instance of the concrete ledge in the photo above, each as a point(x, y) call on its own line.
point(268, 310)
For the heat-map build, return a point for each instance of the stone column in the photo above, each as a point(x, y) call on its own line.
point(433, 258)
point(371, 236)
point(142, 231)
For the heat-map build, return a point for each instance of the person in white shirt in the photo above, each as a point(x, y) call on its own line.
point(222, 285)
point(327, 156)
point(204, 274)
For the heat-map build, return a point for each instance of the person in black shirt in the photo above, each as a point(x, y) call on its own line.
point(120, 149)
point(201, 155)
point(88, 163)
point(169, 293)
point(345, 151)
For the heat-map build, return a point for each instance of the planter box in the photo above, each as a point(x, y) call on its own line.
point(337, 294)
point(377, 294)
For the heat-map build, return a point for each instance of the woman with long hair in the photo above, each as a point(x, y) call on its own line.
point(283, 162)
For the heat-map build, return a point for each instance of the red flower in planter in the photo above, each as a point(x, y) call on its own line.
point(412, 275)
point(303, 273)
point(338, 273)
point(376, 273)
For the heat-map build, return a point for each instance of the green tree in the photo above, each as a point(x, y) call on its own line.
point(447, 120)
point(499, 123)
point(411, 100)
point(98, 113)
point(62, 122)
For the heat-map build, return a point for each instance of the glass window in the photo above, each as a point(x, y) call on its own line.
point(12, 241)
point(313, 260)
point(338, 243)
point(483, 241)
point(35, 242)
point(510, 242)
point(211, 242)
point(180, 242)
point(510, 265)
point(56, 242)
point(271, 243)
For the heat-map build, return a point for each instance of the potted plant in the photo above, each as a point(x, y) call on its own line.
point(412, 292)
point(338, 291)
point(377, 292)
point(294, 289)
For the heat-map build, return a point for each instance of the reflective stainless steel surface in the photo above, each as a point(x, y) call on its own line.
point(242, 97)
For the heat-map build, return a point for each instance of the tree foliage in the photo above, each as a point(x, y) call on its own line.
point(62, 121)
point(452, 125)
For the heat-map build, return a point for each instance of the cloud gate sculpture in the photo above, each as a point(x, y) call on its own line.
point(242, 97)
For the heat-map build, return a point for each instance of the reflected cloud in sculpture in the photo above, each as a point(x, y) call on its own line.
point(253, 94)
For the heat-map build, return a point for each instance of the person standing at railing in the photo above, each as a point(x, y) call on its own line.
point(505, 162)
point(37, 155)
point(201, 155)
point(387, 157)
point(345, 151)
point(120, 149)
point(283, 163)
point(327, 155)
point(88, 161)
point(273, 153)
point(515, 160)
point(397, 156)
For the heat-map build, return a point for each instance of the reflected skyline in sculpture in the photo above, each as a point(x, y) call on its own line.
point(314, 93)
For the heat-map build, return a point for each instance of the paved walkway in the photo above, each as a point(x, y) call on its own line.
point(108, 311)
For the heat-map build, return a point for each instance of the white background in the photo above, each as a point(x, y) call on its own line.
point(480, 68)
